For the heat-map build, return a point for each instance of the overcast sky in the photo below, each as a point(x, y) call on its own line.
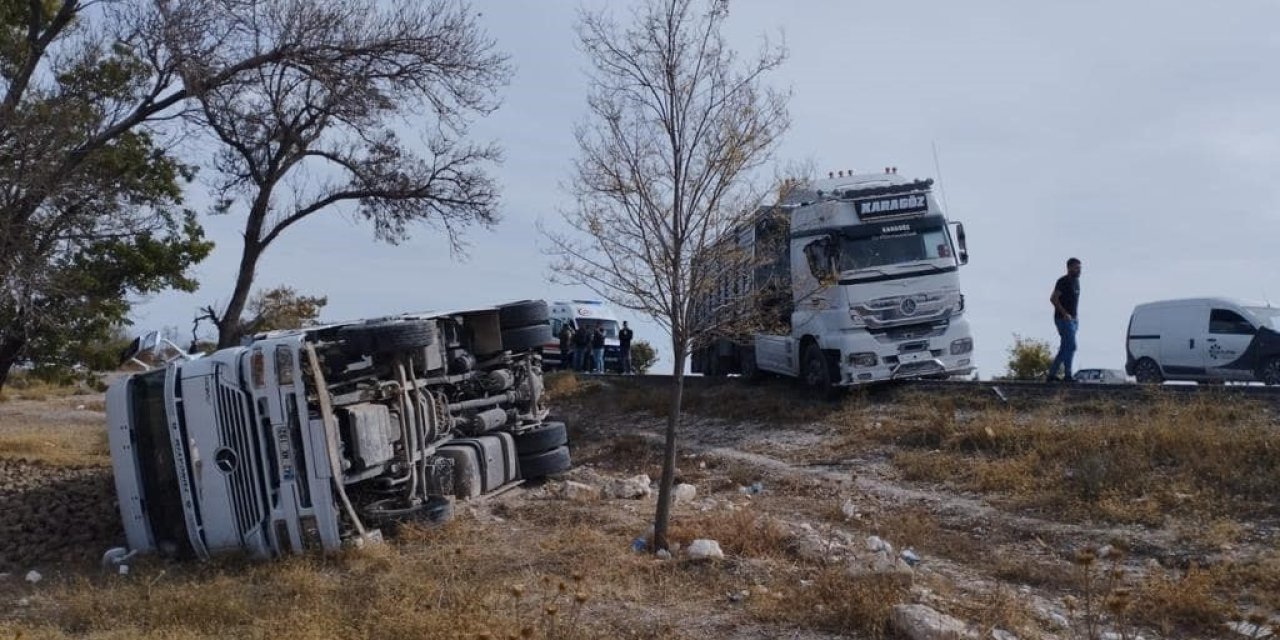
point(1141, 137)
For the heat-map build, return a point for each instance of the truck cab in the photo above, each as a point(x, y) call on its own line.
point(312, 439)
point(872, 264)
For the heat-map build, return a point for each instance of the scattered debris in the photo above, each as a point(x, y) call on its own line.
point(703, 549)
point(1251, 630)
point(639, 545)
point(850, 510)
point(910, 557)
point(755, 489)
point(34, 576)
point(876, 545)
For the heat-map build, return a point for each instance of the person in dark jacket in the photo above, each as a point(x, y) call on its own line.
point(624, 347)
point(581, 349)
point(597, 350)
point(566, 346)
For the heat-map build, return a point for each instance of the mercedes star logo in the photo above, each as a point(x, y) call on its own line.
point(908, 307)
point(226, 460)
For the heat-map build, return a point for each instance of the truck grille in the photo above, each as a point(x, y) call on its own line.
point(235, 429)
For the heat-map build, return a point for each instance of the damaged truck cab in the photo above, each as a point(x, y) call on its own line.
point(309, 439)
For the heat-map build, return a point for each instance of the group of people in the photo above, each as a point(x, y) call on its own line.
point(583, 349)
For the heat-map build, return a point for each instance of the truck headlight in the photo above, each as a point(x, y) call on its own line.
point(863, 359)
point(961, 346)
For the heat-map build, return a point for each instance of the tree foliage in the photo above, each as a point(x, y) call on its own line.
point(318, 135)
point(282, 308)
point(676, 122)
point(643, 356)
point(1029, 359)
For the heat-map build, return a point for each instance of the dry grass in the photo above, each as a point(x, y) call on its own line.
point(460, 581)
point(836, 601)
point(23, 387)
point(1130, 465)
point(745, 532)
point(61, 432)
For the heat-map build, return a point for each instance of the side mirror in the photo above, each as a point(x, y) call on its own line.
point(963, 248)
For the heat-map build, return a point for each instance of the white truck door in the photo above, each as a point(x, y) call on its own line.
point(1225, 343)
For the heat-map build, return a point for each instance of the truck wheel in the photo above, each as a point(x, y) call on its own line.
point(391, 512)
point(546, 463)
point(544, 437)
point(1148, 372)
point(747, 360)
point(523, 314)
point(1270, 374)
point(527, 338)
point(386, 337)
point(816, 373)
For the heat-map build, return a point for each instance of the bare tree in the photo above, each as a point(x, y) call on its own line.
point(676, 123)
point(318, 134)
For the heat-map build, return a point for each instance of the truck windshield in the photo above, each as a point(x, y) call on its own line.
point(875, 245)
point(156, 462)
point(1270, 316)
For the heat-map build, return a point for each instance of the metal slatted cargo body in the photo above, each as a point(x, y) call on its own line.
point(310, 439)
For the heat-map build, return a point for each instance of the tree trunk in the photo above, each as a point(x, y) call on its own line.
point(230, 329)
point(663, 515)
point(10, 351)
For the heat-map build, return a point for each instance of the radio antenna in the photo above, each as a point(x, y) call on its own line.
point(937, 170)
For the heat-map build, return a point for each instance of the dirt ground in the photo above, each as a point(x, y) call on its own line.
point(986, 513)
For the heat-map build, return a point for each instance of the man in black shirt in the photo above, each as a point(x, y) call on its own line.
point(624, 346)
point(1066, 301)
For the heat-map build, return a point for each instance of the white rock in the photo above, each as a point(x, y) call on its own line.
point(918, 622)
point(875, 544)
point(24, 602)
point(850, 510)
point(663, 554)
point(633, 488)
point(703, 549)
point(579, 492)
point(34, 576)
point(1001, 634)
point(684, 493)
point(1060, 620)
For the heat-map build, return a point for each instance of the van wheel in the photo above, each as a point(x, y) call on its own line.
point(1148, 372)
point(1271, 372)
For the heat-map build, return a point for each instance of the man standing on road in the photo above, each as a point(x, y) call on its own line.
point(597, 350)
point(566, 347)
point(624, 346)
point(1066, 301)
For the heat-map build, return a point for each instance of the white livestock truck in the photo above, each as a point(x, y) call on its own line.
point(309, 439)
point(852, 279)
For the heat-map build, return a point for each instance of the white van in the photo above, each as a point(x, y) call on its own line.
point(1204, 340)
point(583, 315)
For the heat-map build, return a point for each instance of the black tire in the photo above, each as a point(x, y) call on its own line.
point(816, 373)
point(387, 337)
point(747, 361)
point(1270, 372)
point(523, 314)
point(544, 437)
point(390, 513)
point(527, 338)
point(546, 463)
point(1148, 372)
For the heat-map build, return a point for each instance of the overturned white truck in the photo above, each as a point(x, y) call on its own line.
point(304, 440)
